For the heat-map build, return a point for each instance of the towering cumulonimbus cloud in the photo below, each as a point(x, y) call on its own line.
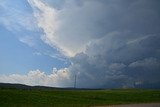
point(110, 43)
point(119, 65)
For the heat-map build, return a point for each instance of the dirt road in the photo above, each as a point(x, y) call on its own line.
point(135, 105)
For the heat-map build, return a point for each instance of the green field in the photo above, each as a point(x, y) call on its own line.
point(75, 98)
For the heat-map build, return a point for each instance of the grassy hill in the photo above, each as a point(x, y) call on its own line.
point(53, 97)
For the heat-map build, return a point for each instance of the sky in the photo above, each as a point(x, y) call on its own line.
point(104, 43)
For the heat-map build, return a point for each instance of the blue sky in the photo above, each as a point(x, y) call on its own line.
point(18, 56)
point(106, 43)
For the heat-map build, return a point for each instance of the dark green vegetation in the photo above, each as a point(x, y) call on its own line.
point(18, 95)
point(74, 98)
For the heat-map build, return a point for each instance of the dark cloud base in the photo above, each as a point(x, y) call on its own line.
point(127, 53)
point(130, 65)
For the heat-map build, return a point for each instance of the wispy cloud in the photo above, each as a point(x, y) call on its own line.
point(15, 19)
point(27, 40)
point(37, 53)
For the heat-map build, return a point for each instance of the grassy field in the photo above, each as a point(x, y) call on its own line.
point(75, 98)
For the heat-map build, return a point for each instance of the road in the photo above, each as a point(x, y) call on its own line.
point(135, 105)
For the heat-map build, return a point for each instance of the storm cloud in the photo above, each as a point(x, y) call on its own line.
point(110, 43)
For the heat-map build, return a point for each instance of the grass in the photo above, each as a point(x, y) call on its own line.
point(75, 98)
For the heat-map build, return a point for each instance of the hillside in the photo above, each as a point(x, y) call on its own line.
point(18, 95)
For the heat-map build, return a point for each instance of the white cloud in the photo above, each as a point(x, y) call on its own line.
point(27, 40)
point(37, 53)
point(15, 19)
point(71, 28)
point(58, 78)
point(46, 19)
